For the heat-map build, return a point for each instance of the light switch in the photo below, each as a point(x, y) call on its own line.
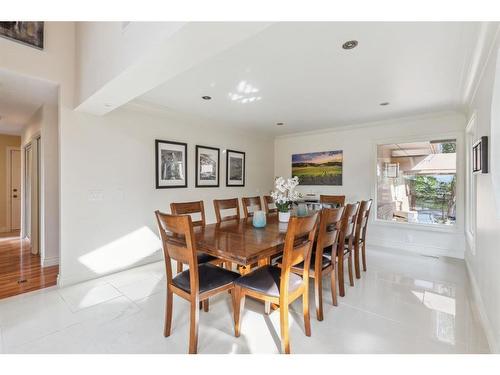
point(96, 195)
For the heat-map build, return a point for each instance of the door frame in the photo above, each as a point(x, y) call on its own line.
point(8, 170)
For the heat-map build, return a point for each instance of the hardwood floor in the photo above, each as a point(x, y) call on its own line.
point(20, 271)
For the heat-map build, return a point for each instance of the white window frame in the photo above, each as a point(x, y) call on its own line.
point(470, 186)
point(453, 228)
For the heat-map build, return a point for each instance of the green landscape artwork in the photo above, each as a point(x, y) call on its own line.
point(318, 168)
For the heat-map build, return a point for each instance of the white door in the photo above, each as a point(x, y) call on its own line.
point(15, 189)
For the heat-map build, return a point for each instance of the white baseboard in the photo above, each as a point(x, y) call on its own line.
point(50, 262)
point(478, 306)
point(415, 248)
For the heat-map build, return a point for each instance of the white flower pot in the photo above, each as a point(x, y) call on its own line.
point(284, 217)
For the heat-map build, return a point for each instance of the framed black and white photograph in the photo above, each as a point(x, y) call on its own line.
point(235, 168)
point(25, 32)
point(207, 166)
point(171, 164)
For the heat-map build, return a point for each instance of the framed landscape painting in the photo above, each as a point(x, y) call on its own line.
point(235, 168)
point(29, 33)
point(207, 166)
point(318, 168)
point(171, 164)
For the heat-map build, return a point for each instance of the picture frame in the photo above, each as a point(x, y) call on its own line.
point(319, 168)
point(207, 166)
point(170, 164)
point(29, 33)
point(235, 168)
point(480, 156)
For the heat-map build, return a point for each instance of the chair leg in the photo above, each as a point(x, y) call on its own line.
point(305, 309)
point(333, 276)
point(363, 255)
point(238, 306)
point(179, 267)
point(356, 261)
point(205, 305)
point(168, 314)
point(285, 339)
point(341, 275)
point(349, 265)
point(318, 295)
point(193, 327)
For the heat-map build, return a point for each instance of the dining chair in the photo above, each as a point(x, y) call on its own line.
point(268, 201)
point(195, 284)
point(226, 204)
point(345, 245)
point(280, 286)
point(330, 224)
point(190, 208)
point(360, 235)
point(338, 200)
point(221, 205)
point(250, 202)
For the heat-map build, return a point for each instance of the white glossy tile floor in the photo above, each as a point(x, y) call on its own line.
point(403, 304)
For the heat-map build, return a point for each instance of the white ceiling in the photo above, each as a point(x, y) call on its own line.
point(20, 97)
point(297, 73)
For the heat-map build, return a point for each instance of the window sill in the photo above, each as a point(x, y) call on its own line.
point(423, 227)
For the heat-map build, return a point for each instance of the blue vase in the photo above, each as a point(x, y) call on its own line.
point(259, 219)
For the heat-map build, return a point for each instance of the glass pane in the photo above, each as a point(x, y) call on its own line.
point(416, 182)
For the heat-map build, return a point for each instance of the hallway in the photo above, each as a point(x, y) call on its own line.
point(20, 271)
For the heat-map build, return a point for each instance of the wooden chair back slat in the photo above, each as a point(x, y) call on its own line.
point(226, 204)
point(338, 200)
point(329, 228)
point(189, 208)
point(176, 232)
point(298, 244)
point(362, 219)
point(248, 202)
point(348, 224)
point(268, 201)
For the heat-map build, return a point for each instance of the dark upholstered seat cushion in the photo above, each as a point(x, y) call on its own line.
point(325, 262)
point(211, 277)
point(266, 280)
point(205, 258)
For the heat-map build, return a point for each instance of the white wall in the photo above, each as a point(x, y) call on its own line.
point(359, 150)
point(45, 123)
point(484, 265)
point(108, 193)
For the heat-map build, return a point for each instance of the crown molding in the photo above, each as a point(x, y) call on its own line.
point(403, 120)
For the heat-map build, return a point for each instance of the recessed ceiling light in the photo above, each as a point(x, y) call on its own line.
point(350, 44)
point(107, 105)
point(206, 97)
point(384, 103)
point(280, 123)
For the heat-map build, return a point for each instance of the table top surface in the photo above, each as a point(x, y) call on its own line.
point(240, 242)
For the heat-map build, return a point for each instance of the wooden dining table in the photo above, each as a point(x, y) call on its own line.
point(238, 241)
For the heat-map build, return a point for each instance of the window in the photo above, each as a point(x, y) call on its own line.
point(416, 182)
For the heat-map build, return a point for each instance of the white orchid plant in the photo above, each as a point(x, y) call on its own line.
point(285, 193)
